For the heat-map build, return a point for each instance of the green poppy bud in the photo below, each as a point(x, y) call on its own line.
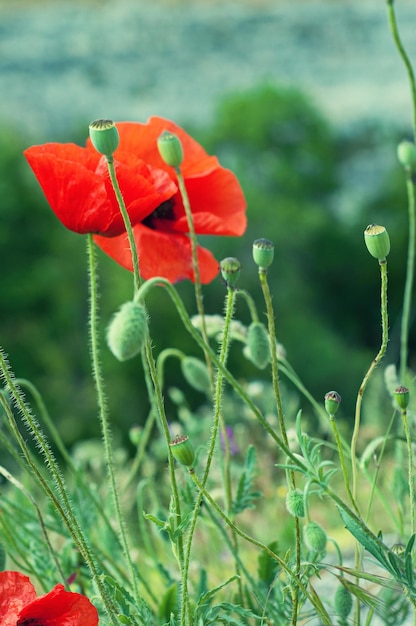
point(263, 253)
point(183, 450)
point(343, 601)
point(135, 435)
point(127, 331)
point(406, 153)
point(258, 344)
point(230, 271)
point(314, 537)
point(377, 241)
point(170, 149)
point(196, 374)
point(332, 402)
point(401, 395)
point(104, 136)
point(295, 503)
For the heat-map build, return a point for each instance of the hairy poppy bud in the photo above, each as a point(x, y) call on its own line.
point(127, 331)
point(183, 450)
point(332, 402)
point(295, 503)
point(401, 395)
point(343, 601)
point(406, 153)
point(258, 344)
point(170, 149)
point(230, 271)
point(315, 537)
point(104, 136)
point(377, 241)
point(196, 374)
point(263, 253)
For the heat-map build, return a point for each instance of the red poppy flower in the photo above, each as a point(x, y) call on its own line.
point(19, 605)
point(77, 187)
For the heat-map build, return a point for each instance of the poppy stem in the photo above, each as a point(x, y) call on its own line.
point(127, 223)
point(229, 309)
point(103, 409)
point(197, 277)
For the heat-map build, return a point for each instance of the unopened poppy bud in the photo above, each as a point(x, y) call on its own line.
point(183, 450)
point(406, 153)
point(127, 331)
point(263, 253)
point(104, 136)
point(343, 601)
point(258, 344)
point(196, 374)
point(170, 148)
point(377, 241)
point(230, 271)
point(295, 503)
point(135, 435)
point(401, 395)
point(314, 537)
point(332, 402)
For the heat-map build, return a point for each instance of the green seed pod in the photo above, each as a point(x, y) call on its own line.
point(263, 253)
point(258, 344)
point(135, 435)
point(104, 136)
point(127, 331)
point(343, 601)
point(230, 271)
point(332, 402)
point(314, 537)
point(196, 374)
point(377, 241)
point(406, 153)
point(295, 503)
point(170, 149)
point(183, 450)
point(401, 395)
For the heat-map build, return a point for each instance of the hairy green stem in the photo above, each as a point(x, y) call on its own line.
point(292, 575)
point(61, 501)
point(103, 409)
point(229, 309)
point(278, 398)
point(127, 222)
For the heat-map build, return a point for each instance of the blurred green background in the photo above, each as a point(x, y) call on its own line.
point(310, 189)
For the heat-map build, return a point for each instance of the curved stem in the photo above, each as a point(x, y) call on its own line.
point(410, 270)
point(376, 361)
point(402, 52)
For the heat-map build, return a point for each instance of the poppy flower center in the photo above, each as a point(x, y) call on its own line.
point(30, 621)
point(164, 211)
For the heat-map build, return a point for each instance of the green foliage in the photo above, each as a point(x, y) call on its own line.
point(245, 496)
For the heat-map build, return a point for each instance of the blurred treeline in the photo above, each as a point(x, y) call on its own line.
point(310, 189)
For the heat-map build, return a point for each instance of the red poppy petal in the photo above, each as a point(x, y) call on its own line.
point(61, 608)
point(75, 193)
point(143, 188)
point(16, 591)
point(160, 254)
point(217, 203)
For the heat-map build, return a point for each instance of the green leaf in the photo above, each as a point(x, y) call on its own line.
point(268, 567)
point(366, 538)
point(245, 497)
point(169, 602)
